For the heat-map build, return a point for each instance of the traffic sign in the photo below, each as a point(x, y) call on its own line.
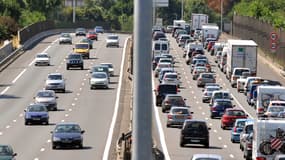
point(273, 36)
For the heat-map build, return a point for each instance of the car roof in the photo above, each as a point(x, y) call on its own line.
point(234, 109)
point(42, 53)
point(167, 73)
point(221, 91)
point(207, 156)
point(223, 100)
point(46, 90)
point(56, 73)
point(67, 123)
point(195, 120)
point(173, 95)
point(212, 87)
point(178, 107)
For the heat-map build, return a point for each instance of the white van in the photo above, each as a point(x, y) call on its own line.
point(160, 47)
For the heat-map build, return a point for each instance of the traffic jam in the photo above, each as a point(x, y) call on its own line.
point(261, 136)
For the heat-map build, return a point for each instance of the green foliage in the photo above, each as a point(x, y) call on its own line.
point(9, 23)
point(28, 17)
point(4, 34)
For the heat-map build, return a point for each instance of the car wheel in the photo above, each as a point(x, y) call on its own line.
point(167, 125)
point(212, 117)
point(81, 67)
point(53, 146)
point(46, 122)
point(67, 68)
point(182, 143)
point(163, 110)
point(55, 109)
point(232, 140)
point(206, 145)
point(26, 123)
point(63, 90)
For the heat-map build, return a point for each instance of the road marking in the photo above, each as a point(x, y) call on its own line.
point(56, 70)
point(36, 159)
point(73, 104)
point(14, 120)
point(215, 131)
point(242, 106)
point(203, 113)
point(42, 149)
point(87, 74)
point(225, 146)
point(220, 138)
point(210, 124)
point(70, 109)
point(14, 81)
point(232, 156)
point(21, 115)
point(66, 115)
point(84, 79)
point(62, 120)
point(75, 99)
point(48, 141)
point(8, 126)
point(190, 86)
point(1, 133)
point(192, 92)
point(188, 82)
point(195, 97)
point(5, 90)
point(82, 84)
point(78, 94)
point(206, 118)
point(115, 114)
point(33, 61)
point(80, 88)
point(45, 50)
point(197, 102)
point(186, 77)
point(200, 108)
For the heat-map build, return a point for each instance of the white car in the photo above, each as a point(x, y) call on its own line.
point(206, 157)
point(42, 59)
point(65, 38)
point(99, 79)
point(110, 68)
point(171, 78)
point(112, 40)
point(55, 81)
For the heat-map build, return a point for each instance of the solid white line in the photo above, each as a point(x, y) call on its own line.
point(241, 106)
point(14, 81)
point(44, 51)
point(115, 114)
point(33, 61)
point(159, 127)
point(5, 90)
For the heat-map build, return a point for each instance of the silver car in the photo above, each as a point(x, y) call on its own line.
point(47, 98)
point(171, 78)
point(99, 79)
point(205, 78)
point(112, 40)
point(177, 116)
point(207, 93)
point(110, 68)
point(55, 81)
point(273, 111)
point(42, 59)
point(197, 70)
point(65, 38)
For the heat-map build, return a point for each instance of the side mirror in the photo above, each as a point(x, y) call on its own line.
point(209, 128)
point(15, 154)
point(184, 99)
point(83, 131)
point(234, 105)
point(178, 90)
point(192, 112)
point(25, 110)
point(203, 90)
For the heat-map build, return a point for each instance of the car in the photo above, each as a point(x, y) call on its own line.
point(207, 93)
point(171, 78)
point(99, 79)
point(74, 61)
point(172, 100)
point(100, 68)
point(279, 157)
point(237, 129)
point(247, 152)
point(160, 66)
point(55, 81)
point(237, 72)
point(36, 113)
point(112, 40)
point(220, 94)
point(206, 157)
point(177, 116)
point(194, 132)
point(230, 115)
point(163, 71)
point(86, 40)
point(162, 90)
point(219, 107)
point(99, 29)
point(218, 56)
point(205, 78)
point(197, 70)
point(157, 35)
point(241, 81)
point(166, 60)
point(67, 135)
point(110, 68)
point(273, 111)
point(42, 59)
point(92, 35)
point(65, 38)
point(47, 98)
point(212, 84)
point(6, 152)
point(83, 49)
point(169, 28)
point(167, 55)
point(246, 131)
point(156, 60)
point(80, 32)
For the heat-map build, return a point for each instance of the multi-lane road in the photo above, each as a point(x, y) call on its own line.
point(92, 109)
point(220, 142)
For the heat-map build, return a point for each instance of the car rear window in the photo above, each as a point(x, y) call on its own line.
point(171, 76)
point(180, 111)
point(236, 113)
point(168, 88)
point(82, 46)
point(199, 126)
point(157, 46)
point(239, 72)
point(207, 76)
point(164, 47)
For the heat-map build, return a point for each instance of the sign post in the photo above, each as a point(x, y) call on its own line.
point(273, 41)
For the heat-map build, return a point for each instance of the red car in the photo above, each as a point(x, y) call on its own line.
point(92, 35)
point(230, 116)
point(210, 45)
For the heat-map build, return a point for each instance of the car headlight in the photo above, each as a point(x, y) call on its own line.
point(56, 139)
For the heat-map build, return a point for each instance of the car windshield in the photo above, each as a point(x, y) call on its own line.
point(42, 56)
point(82, 46)
point(180, 111)
point(108, 65)
point(201, 69)
point(113, 37)
point(206, 159)
point(85, 40)
point(197, 126)
point(45, 94)
point(80, 30)
point(99, 69)
point(167, 89)
point(164, 47)
point(99, 27)
point(236, 113)
point(36, 108)
point(174, 76)
point(208, 76)
point(5, 151)
point(91, 32)
point(212, 89)
point(276, 109)
point(98, 75)
point(65, 35)
point(221, 95)
point(69, 128)
point(239, 72)
point(224, 103)
point(55, 77)
point(74, 56)
point(240, 124)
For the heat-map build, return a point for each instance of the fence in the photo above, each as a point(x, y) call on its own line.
point(260, 32)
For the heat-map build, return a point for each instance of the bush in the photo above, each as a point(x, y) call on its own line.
point(10, 24)
point(30, 17)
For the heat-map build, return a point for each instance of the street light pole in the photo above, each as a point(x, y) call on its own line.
point(73, 11)
point(182, 9)
point(222, 16)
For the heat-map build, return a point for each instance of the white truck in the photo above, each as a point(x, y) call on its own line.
point(179, 23)
point(265, 94)
point(197, 20)
point(242, 54)
point(268, 139)
point(210, 31)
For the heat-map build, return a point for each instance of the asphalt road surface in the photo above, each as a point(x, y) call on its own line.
point(168, 138)
point(92, 109)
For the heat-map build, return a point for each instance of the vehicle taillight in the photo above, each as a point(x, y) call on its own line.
point(167, 102)
point(213, 108)
point(205, 93)
point(234, 78)
point(169, 116)
point(195, 72)
point(235, 129)
point(260, 158)
point(200, 79)
point(189, 117)
point(260, 110)
point(249, 146)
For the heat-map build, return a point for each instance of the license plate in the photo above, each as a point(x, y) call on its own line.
point(179, 117)
point(36, 119)
point(195, 140)
point(66, 141)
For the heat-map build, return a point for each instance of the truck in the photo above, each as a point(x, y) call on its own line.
point(265, 94)
point(210, 31)
point(197, 20)
point(242, 54)
point(179, 23)
point(268, 139)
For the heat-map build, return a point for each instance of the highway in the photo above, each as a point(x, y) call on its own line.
point(92, 109)
point(168, 138)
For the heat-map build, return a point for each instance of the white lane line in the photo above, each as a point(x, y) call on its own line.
point(200, 108)
point(225, 146)
point(23, 71)
point(45, 50)
point(210, 124)
point(70, 109)
point(62, 120)
point(220, 138)
point(14, 120)
point(8, 126)
point(115, 114)
point(188, 82)
point(232, 156)
point(73, 104)
point(55, 40)
point(206, 118)
point(186, 77)
point(36, 159)
point(21, 115)
point(5, 90)
point(241, 106)
point(66, 115)
point(203, 113)
point(75, 99)
point(33, 61)
point(215, 131)
point(78, 94)
point(42, 149)
point(48, 141)
point(1, 133)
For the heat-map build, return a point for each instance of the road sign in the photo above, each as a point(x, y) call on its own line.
point(161, 3)
point(273, 36)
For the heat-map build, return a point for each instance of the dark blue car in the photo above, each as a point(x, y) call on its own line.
point(219, 107)
point(36, 113)
point(67, 135)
